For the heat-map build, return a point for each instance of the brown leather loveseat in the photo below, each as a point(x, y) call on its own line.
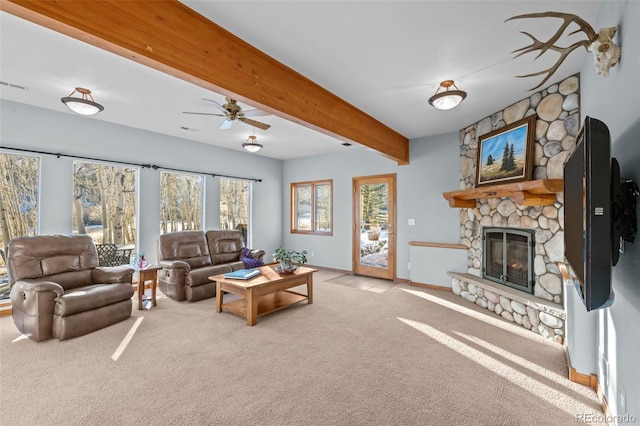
point(58, 290)
point(189, 258)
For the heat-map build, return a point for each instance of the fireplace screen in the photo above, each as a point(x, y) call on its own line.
point(508, 257)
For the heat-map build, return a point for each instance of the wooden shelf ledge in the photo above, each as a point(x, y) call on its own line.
point(541, 192)
point(437, 245)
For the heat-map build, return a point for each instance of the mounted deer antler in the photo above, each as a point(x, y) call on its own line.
point(606, 53)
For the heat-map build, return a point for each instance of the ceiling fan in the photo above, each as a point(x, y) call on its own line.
point(232, 111)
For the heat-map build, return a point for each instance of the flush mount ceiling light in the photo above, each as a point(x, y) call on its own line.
point(252, 144)
point(449, 98)
point(84, 104)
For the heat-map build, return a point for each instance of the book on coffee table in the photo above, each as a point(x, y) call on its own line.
point(243, 274)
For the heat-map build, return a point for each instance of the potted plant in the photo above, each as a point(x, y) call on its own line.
point(287, 258)
point(374, 231)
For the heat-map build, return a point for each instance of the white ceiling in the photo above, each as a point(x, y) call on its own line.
point(385, 57)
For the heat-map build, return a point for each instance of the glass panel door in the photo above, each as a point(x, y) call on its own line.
point(517, 259)
point(374, 226)
point(495, 255)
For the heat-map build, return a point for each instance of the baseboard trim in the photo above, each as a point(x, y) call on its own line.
point(5, 309)
point(590, 380)
point(603, 403)
point(431, 286)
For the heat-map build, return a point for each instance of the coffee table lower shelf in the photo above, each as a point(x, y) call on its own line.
point(266, 304)
point(266, 293)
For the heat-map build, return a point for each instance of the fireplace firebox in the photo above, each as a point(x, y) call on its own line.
point(508, 257)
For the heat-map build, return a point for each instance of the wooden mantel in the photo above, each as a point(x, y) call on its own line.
point(541, 192)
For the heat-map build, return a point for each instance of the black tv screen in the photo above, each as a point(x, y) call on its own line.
point(589, 248)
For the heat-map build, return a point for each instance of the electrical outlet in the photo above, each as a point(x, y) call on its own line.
point(409, 266)
point(411, 222)
point(312, 254)
point(623, 400)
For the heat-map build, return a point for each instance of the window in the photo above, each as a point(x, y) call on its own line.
point(311, 207)
point(18, 205)
point(235, 205)
point(104, 203)
point(180, 202)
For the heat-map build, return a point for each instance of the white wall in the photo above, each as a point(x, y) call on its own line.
point(27, 127)
point(612, 333)
point(433, 169)
point(429, 265)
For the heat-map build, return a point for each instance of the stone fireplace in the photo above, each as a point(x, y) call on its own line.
point(534, 302)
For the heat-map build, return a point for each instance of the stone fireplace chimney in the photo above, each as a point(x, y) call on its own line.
point(539, 305)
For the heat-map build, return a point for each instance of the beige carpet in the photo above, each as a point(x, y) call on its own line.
point(408, 356)
point(376, 285)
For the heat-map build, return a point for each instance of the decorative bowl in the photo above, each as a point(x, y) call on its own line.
point(279, 270)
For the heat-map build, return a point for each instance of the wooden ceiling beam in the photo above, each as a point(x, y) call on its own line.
point(168, 36)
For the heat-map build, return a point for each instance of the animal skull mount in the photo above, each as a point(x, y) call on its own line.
point(605, 52)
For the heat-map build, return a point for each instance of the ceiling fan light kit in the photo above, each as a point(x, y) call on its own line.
point(231, 111)
point(84, 105)
point(252, 144)
point(447, 99)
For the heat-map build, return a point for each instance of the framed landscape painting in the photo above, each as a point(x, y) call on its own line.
point(505, 155)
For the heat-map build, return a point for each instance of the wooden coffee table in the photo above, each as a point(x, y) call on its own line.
point(266, 293)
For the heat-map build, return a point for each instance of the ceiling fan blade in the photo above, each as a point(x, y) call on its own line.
point(203, 113)
point(255, 113)
point(254, 123)
point(226, 124)
point(217, 105)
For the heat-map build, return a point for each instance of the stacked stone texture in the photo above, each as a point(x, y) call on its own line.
point(557, 125)
point(541, 319)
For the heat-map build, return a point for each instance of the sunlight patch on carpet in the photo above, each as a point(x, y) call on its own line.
point(496, 322)
point(127, 339)
point(538, 389)
point(523, 362)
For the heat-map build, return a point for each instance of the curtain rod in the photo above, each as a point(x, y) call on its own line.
point(144, 166)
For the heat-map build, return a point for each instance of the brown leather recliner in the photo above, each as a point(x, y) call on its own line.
point(189, 258)
point(58, 290)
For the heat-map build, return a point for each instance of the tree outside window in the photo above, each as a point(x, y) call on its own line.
point(373, 202)
point(235, 205)
point(311, 207)
point(104, 203)
point(20, 177)
point(180, 202)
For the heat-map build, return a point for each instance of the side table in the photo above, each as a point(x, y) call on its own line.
point(148, 273)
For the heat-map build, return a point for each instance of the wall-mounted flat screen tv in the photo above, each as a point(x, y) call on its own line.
point(599, 213)
point(587, 214)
